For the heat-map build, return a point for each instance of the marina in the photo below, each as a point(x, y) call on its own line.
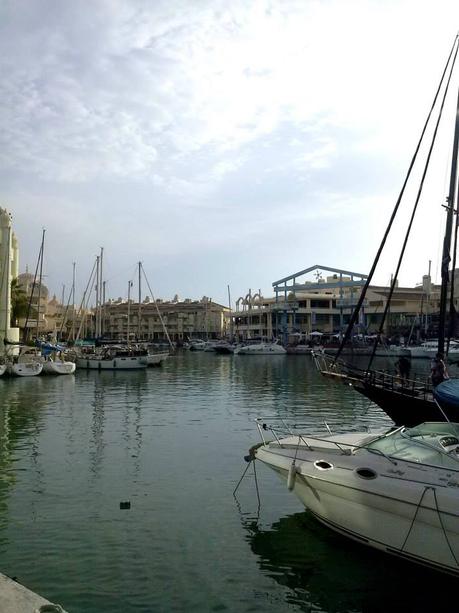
point(171, 441)
point(242, 429)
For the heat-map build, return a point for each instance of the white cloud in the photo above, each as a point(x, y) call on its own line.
point(245, 116)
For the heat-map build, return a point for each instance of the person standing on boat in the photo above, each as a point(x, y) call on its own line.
point(438, 370)
point(404, 368)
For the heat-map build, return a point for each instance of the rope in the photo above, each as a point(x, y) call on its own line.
point(256, 482)
point(439, 519)
point(240, 480)
point(427, 487)
point(443, 527)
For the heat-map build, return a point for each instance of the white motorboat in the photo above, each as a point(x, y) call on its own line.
point(156, 359)
point(197, 345)
point(274, 348)
point(396, 491)
point(58, 367)
point(114, 358)
point(428, 350)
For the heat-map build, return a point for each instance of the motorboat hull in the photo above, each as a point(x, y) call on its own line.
point(156, 359)
point(400, 511)
point(261, 349)
point(118, 363)
point(58, 368)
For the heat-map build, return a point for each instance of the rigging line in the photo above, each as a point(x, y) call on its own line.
point(64, 318)
point(83, 317)
point(84, 300)
point(157, 308)
point(413, 213)
point(26, 329)
point(355, 314)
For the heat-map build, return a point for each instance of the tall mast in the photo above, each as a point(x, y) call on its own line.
point(230, 314)
point(96, 334)
point(40, 281)
point(129, 310)
point(446, 256)
point(100, 289)
point(140, 307)
point(73, 301)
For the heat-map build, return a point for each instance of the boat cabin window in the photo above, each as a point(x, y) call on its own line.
point(436, 444)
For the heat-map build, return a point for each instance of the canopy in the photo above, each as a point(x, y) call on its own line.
point(447, 393)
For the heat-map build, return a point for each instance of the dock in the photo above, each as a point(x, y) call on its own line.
point(15, 598)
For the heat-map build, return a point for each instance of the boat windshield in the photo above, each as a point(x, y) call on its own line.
point(436, 444)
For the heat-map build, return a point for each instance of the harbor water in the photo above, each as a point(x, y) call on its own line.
point(116, 494)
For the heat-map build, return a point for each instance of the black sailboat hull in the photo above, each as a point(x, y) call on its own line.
point(406, 408)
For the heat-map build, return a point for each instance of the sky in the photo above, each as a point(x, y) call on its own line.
point(219, 143)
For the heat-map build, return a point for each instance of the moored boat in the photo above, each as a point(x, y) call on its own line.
point(274, 348)
point(156, 359)
point(396, 491)
point(58, 367)
point(114, 358)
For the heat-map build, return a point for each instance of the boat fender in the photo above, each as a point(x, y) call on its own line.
point(251, 455)
point(292, 471)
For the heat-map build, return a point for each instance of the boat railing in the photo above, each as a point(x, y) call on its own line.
point(394, 382)
point(348, 373)
point(281, 429)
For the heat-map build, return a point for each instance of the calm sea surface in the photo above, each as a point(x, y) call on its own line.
point(171, 441)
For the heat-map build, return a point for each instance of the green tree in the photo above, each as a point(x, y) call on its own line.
point(19, 302)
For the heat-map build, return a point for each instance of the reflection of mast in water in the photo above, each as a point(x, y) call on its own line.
point(97, 427)
point(105, 384)
point(132, 415)
point(19, 419)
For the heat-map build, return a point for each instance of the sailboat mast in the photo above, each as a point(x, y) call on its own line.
point(230, 314)
point(100, 289)
point(129, 311)
point(73, 301)
point(40, 282)
point(140, 307)
point(446, 256)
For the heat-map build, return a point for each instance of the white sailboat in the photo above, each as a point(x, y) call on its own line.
point(262, 348)
point(29, 363)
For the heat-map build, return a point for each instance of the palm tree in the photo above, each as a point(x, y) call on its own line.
point(19, 302)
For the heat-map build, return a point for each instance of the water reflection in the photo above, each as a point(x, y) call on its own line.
point(326, 572)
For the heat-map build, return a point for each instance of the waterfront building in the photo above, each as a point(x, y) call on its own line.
point(301, 306)
point(183, 320)
point(9, 266)
point(37, 294)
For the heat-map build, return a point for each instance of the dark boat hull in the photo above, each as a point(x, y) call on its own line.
point(404, 408)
